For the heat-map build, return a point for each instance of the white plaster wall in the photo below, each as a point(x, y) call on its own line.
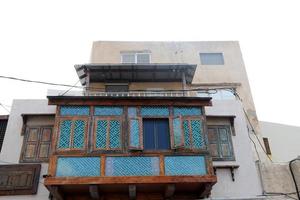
point(284, 140)
point(13, 140)
point(247, 182)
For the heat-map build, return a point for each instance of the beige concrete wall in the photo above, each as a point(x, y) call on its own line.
point(142, 86)
point(284, 140)
point(233, 71)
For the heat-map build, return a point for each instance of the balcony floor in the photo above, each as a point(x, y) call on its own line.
point(154, 187)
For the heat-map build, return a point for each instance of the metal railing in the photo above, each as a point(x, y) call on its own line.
point(145, 93)
point(138, 94)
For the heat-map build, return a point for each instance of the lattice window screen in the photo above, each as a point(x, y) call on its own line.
point(74, 110)
point(78, 166)
point(72, 134)
point(155, 111)
point(108, 133)
point(132, 166)
point(135, 133)
point(108, 110)
point(185, 165)
point(187, 111)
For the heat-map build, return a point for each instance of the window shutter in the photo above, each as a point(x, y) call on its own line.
point(213, 142)
point(177, 138)
point(225, 147)
point(31, 143)
point(135, 133)
point(197, 138)
point(65, 127)
point(45, 142)
point(220, 145)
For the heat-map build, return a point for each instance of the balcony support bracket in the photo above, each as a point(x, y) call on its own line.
point(132, 192)
point(94, 192)
point(55, 192)
point(169, 191)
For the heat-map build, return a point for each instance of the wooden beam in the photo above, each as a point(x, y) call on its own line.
point(130, 101)
point(55, 192)
point(129, 180)
point(94, 192)
point(169, 190)
point(132, 192)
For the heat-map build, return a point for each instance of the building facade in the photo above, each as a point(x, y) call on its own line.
point(156, 120)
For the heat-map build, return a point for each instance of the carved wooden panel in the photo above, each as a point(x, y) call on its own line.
point(19, 179)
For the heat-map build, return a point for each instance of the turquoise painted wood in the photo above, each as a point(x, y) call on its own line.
point(185, 165)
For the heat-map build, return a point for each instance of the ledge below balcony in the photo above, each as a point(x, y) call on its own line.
point(158, 187)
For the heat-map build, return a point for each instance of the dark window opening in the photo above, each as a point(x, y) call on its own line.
point(3, 124)
point(116, 88)
point(156, 134)
point(267, 146)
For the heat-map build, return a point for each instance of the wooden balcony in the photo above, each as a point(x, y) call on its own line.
point(101, 150)
point(131, 176)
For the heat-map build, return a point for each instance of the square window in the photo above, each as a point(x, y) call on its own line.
point(220, 144)
point(212, 58)
point(128, 58)
point(135, 58)
point(156, 134)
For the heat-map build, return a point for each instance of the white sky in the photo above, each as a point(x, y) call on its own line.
point(42, 40)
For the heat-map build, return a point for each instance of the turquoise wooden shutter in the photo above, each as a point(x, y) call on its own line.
point(177, 138)
point(135, 133)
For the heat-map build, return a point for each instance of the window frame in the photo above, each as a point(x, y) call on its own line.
point(189, 119)
point(38, 142)
point(222, 53)
point(169, 134)
point(86, 134)
point(230, 143)
point(94, 134)
point(135, 57)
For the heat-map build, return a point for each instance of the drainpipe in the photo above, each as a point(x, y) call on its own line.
point(258, 163)
point(293, 175)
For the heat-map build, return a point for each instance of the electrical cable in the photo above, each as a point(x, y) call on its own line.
point(70, 88)
point(4, 107)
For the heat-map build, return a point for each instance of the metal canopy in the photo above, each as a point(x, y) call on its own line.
point(135, 72)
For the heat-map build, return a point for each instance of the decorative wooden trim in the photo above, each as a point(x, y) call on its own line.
point(102, 165)
point(161, 165)
point(158, 101)
point(129, 180)
point(22, 179)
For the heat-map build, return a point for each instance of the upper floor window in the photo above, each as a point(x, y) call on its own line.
point(37, 131)
point(220, 144)
point(36, 144)
point(116, 88)
point(3, 124)
point(135, 57)
point(212, 58)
